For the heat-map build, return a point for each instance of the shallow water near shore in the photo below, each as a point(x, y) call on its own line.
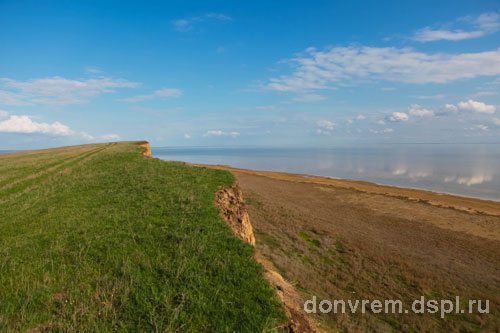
point(471, 170)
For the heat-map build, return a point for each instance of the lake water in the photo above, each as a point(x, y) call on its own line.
point(9, 151)
point(464, 169)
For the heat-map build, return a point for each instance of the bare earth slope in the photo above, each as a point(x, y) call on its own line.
point(354, 240)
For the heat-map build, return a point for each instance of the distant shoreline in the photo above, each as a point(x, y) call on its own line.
point(441, 199)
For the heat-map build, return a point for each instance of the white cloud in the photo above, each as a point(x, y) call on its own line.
point(166, 92)
point(381, 122)
point(57, 90)
point(340, 65)
point(93, 70)
point(218, 16)
point(266, 107)
point(451, 108)
point(3, 113)
point(24, 124)
point(360, 117)
point(484, 24)
point(221, 133)
point(496, 121)
point(475, 106)
point(182, 24)
point(110, 137)
point(187, 136)
point(483, 93)
point(10, 98)
point(482, 127)
point(418, 111)
point(489, 21)
point(308, 98)
point(428, 35)
point(86, 136)
point(188, 24)
point(326, 124)
point(398, 116)
point(323, 132)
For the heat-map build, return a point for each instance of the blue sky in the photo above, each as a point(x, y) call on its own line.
point(248, 73)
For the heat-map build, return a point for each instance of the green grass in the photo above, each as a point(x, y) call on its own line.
point(100, 238)
point(309, 238)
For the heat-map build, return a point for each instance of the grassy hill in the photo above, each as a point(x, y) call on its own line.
point(100, 238)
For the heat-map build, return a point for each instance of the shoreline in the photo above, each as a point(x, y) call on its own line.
point(440, 199)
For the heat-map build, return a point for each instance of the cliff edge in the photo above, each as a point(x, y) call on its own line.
point(147, 149)
point(232, 208)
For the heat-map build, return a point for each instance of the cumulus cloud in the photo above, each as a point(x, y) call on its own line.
point(326, 124)
point(360, 117)
point(482, 127)
point(398, 116)
point(323, 132)
point(3, 113)
point(484, 24)
point(86, 136)
point(451, 108)
point(340, 65)
point(187, 136)
point(475, 106)
point(496, 121)
point(166, 92)
point(221, 133)
point(24, 124)
point(187, 24)
point(418, 111)
point(381, 122)
point(325, 127)
point(57, 90)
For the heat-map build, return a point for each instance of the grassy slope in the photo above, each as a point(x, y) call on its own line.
point(99, 238)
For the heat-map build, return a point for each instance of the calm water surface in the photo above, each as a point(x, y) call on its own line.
point(9, 151)
point(469, 170)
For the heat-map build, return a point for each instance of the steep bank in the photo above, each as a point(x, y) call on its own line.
point(147, 148)
point(232, 208)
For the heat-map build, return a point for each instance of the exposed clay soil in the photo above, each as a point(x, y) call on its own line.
point(233, 209)
point(338, 240)
point(147, 149)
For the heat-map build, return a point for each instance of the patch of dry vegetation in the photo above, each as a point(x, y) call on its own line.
point(339, 243)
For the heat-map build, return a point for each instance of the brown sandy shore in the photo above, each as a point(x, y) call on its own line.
point(340, 239)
